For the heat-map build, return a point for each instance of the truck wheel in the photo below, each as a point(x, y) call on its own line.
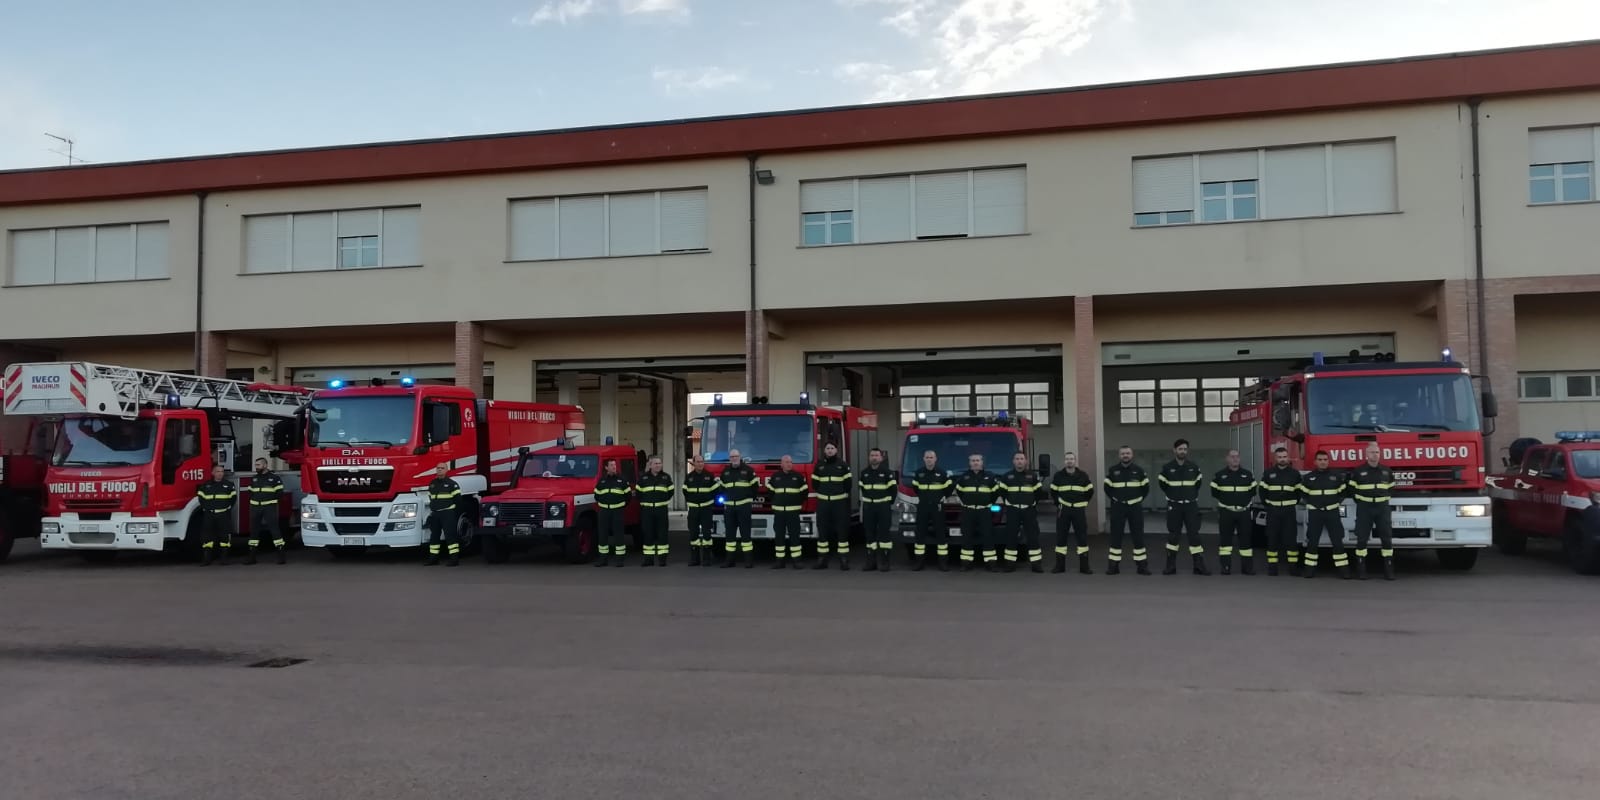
point(467, 534)
point(1583, 553)
point(495, 550)
point(578, 546)
point(1505, 537)
point(1459, 559)
point(6, 540)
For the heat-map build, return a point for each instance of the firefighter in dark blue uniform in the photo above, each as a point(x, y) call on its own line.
point(1231, 489)
point(1280, 493)
point(1127, 485)
point(1180, 482)
point(1020, 493)
point(832, 478)
point(788, 490)
point(1324, 490)
point(976, 488)
point(217, 497)
point(932, 485)
point(700, 495)
point(444, 503)
point(1073, 489)
point(655, 495)
point(611, 495)
point(738, 487)
point(877, 483)
point(266, 489)
point(1370, 485)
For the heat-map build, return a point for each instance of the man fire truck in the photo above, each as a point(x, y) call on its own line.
point(1424, 415)
point(952, 439)
point(133, 447)
point(764, 433)
point(371, 451)
point(22, 481)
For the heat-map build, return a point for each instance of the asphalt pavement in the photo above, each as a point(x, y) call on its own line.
point(537, 679)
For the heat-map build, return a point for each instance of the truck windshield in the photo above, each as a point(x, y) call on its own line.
point(1586, 463)
point(758, 437)
point(953, 447)
point(105, 442)
point(355, 421)
point(561, 466)
point(1431, 402)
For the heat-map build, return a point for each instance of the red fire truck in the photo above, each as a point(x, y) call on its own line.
point(22, 483)
point(764, 433)
point(134, 445)
point(1424, 415)
point(372, 450)
point(952, 439)
point(1550, 491)
point(551, 500)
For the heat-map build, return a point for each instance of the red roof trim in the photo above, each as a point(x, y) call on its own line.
point(1553, 68)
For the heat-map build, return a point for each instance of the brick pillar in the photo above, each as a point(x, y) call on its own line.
point(1500, 338)
point(1086, 367)
point(212, 360)
point(755, 352)
point(1456, 311)
point(469, 356)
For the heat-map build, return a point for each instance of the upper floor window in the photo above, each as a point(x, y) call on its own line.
point(1561, 165)
point(91, 254)
point(326, 240)
point(1317, 180)
point(608, 225)
point(904, 208)
point(1558, 386)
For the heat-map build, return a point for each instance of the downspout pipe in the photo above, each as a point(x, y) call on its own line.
point(200, 283)
point(1477, 242)
point(754, 361)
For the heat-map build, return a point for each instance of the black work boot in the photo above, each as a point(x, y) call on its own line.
point(749, 558)
point(1225, 565)
point(1272, 570)
point(1344, 572)
point(283, 555)
point(1388, 569)
point(1172, 565)
point(622, 558)
point(822, 562)
point(694, 556)
point(919, 562)
point(207, 556)
point(1010, 565)
point(1296, 568)
point(1200, 564)
point(432, 560)
point(1361, 568)
point(1083, 566)
point(884, 557)
point(780, 562)
point(844, 561)
point(250, 556)
point(454, 560)
point(222, 557)
point(1036, 566)
point(600, 560)
point(1113, 566)
point(1308, 570)
point(944, 563)
point(1247, 565)
point(966, 565)
point(1061, 565)
point(729, 558)
point(872, 561)
point(992, 566)
point(1142, 567)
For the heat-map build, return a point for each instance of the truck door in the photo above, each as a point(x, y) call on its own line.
point(1524, 511)
point(185, 460)
point(1550, 514)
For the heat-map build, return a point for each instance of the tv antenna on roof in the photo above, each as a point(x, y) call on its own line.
point(69, 145)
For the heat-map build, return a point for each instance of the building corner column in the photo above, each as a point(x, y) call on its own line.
point(469, 356)
point(212, 360)
point(755, 352)
point(1086, 380)
point(1499, 337)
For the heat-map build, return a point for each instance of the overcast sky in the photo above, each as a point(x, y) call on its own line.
point(159, 78)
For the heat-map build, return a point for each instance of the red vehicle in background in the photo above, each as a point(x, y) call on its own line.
point(22, 482)
point(371, 452)
point(764, 433)
point(953, 439)
point(1425, 417)
point(1551, 491)
point(551, 501)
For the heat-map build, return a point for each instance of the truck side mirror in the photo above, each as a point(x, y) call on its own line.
point(1280, 416)
point(1491, 406)
point(1044, 463)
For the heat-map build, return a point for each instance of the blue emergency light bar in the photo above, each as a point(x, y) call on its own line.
point(408, 381)
point(610, 440)
point(336, 383)
point(1578, 436)
point(1316, 358)
point(995, 509)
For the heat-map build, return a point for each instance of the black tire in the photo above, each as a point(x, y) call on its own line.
point(98, 556)
point(6, 540)
point(1458, 559)
point(1507, 538)
point(467, 533)
point(578, 546)
point(342, 552)
point(495, 549)
point(1582, 551)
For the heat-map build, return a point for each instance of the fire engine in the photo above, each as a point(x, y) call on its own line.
point(551, 500)
point(764, 433)
point(1424, 415)
point(1550, 491)
point(133, 446)
point(953, 439)
point(22, 483)
point(372, 450)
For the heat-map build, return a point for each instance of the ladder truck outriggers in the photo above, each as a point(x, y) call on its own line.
point(134, 445)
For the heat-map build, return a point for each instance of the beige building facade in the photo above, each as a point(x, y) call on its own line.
point(1114, 262)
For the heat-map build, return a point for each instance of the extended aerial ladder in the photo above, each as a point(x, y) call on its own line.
point(78, 387)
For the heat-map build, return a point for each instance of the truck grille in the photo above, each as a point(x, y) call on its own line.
point(90, 505)
point(338, 480)
point(356, 511)
point(521, 513)
point(1421, 477)
point(355, 528)
point(92, 538)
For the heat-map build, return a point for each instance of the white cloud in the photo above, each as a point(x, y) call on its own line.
point(558, 11)
point(672, 8)
point(975, 46)
point(694, 81)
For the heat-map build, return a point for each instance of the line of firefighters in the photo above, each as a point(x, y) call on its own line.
point(1281, 490)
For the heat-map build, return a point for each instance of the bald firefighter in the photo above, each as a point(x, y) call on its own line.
point(1073, 489)
point(787, 490)
point(1371, 485)
point(1231, 489)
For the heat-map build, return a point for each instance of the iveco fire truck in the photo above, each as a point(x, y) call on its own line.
point(952, 439)
point(134, 445)
point(764, 433)
point(22, 482)
point(372, 450)
point(1426, 418)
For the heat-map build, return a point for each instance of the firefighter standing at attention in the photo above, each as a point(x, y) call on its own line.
point(1370, 485)
point(1073, 489)
point(1127, 485)
point(217, 497)
point(1180, 482)
point(611, 495)
point(265, 490)
point(1280, 493)
point(738, 487)
point(1231, 489)
point(444, 495)
point(932, 485)
point(655, 494)
point(1020, 492)
point(832, 477)
point(1324, 491)
point(877, 484)
point(976, 488)
point(788, 490)
point(700, 495)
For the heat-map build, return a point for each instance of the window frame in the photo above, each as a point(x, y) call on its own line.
point(335, 244)
point(1263, 193)
point(360, 248)
point(1557, 179)
point(972, 206)
point(827, 225)
point(1559, 381)
point(94, 253)
point(927, 397)
point(605, 231)
point(1230, 197)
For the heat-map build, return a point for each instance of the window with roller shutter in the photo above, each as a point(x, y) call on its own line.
point(89, 254)
point(608, 225)
point(1296, 182)
point(922, 206)
point(1561, 165)
point(316, 241)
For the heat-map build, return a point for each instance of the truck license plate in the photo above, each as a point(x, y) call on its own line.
point(1404, 523)
point(89, 528)
point(521, 530)
point(956, 532)
point(353, 541)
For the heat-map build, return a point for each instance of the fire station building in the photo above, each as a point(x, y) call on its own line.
point(1114, 262)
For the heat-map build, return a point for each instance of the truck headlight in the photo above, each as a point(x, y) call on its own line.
point(1475, 510)
point(50, 528)
point(141, 528)
point(403, 511)
point(557, 510)
point(308, 510)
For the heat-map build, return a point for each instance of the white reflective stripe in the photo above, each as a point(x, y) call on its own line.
point(497, 458)
point(1579, 503)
